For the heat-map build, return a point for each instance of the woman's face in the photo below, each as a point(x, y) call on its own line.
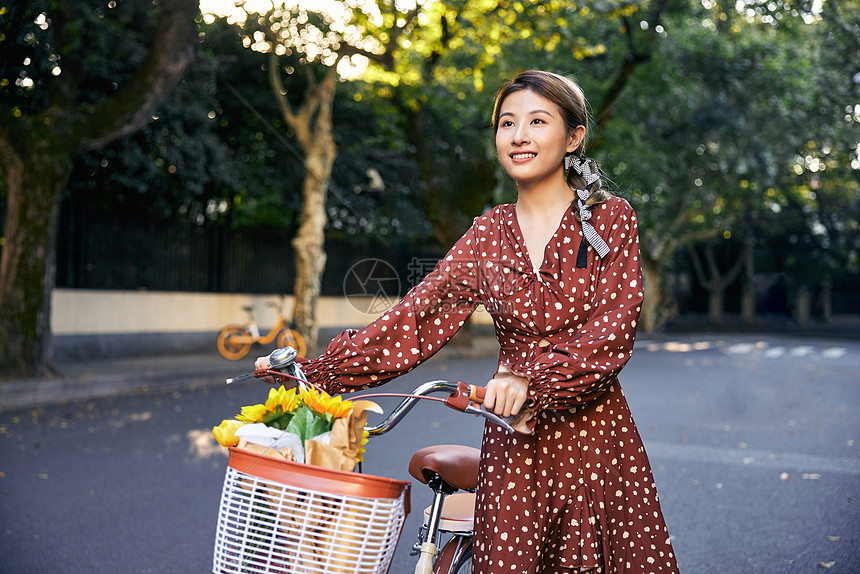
point(532, 138)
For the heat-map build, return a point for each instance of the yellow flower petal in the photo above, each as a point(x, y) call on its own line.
point(252, 413)
point(287, 400)
point(274, 399)
point(323, 403)
point(225, 433)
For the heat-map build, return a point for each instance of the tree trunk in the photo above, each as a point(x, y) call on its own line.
point(34, 181)
point(309, 242)
point(36, 154)
point(826, 299)
point(652, 275)
point(748, 291)
point(802, 306)
point(715, 282)
point(715, 306)
point(748, 299)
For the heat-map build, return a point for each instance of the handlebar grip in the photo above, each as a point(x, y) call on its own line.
point(477, 394)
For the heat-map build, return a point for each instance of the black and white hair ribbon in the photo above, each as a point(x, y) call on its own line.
point(583, 167)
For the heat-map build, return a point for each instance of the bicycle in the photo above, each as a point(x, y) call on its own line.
point(450, 471)
point(235, 341)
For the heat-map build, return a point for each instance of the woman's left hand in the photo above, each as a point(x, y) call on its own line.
point(506, 392)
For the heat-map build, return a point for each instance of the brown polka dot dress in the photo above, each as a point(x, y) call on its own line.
point(577, 493)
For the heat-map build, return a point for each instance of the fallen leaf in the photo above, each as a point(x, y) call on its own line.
point(834, 538)
point(810, 476)
point(827, 565)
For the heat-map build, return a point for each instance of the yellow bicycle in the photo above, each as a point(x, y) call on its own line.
point(235, 341)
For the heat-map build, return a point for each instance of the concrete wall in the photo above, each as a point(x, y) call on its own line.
point(94, 323)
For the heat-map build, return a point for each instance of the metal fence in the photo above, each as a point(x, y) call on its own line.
point(99, 250)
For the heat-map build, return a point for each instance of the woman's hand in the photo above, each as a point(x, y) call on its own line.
point(262, 363)
point(506, 392)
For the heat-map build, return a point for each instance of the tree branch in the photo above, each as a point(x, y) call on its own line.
point(170, 55)
point(697, 265)
point(636, 55)
point(278, 87)
point(386, 58)
point(64, 89)
point(735, 270)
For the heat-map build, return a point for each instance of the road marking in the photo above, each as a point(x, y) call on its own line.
point(834, 352)
point(807, 463)
point(678, 347)
point(767, 351)
point(740, 348)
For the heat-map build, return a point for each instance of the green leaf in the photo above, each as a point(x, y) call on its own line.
point(307, 423)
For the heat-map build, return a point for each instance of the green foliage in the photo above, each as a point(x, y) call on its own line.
point(214, 151)
point(308, 423)
point(714, 121)
point(68, 52)
point(178, 164)
point(372, 192)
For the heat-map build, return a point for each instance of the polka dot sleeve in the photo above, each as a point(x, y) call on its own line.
point(408, 333)
point(569, 373)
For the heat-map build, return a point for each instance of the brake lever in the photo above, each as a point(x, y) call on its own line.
point(482, 412)
point(246, 376)
point(283, 361)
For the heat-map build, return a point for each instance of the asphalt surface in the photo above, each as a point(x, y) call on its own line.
point(753, 440)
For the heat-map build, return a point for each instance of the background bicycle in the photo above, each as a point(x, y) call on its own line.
point(235, 341)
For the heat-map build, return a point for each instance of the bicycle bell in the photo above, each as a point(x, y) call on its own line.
point(283, 357)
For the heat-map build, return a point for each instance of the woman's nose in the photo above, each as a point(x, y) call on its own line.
point(521, 135)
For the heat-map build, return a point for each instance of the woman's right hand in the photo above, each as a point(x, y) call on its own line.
point(506, 392)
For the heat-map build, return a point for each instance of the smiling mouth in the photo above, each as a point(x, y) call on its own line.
point(523, 155)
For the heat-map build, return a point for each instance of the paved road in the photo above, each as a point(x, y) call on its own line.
point(753, 439)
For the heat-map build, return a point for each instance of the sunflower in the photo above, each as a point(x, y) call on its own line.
point(253, 414)
point(288, 401)
point(323, 403)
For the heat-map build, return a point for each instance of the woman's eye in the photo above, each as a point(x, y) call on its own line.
point(538, 121)
point(507, 123)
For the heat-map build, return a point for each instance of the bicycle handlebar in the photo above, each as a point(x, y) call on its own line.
point(461, 396)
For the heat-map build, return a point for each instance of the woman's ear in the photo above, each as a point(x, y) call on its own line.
point(575, 138)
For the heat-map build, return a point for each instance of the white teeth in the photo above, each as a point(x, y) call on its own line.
point(522, 155)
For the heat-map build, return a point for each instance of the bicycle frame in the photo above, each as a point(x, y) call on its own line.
point(262, 339)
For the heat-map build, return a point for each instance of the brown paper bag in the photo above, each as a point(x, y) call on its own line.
point(285, 453)
point(343, 450)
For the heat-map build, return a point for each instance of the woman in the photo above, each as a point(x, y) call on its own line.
point(559, 271)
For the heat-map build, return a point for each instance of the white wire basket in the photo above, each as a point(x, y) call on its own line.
point(283, 517)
